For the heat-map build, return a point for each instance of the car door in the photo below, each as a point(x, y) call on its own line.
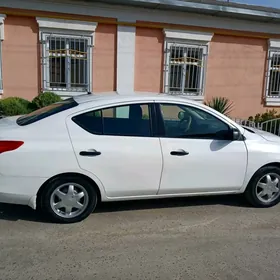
point(116, 144)
point(197, 156)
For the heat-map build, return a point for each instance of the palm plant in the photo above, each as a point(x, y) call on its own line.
point(220, 104)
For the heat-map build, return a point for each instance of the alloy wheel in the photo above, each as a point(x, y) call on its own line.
point(69, 200)
point(268, 189)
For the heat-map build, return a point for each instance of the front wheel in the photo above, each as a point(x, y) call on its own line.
point(68, 199)
point(264, 188)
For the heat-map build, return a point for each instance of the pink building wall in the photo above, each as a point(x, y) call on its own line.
point(236, 65)
point(236, 69)
point(21, 59)
point(104, 58)
point(148, 59)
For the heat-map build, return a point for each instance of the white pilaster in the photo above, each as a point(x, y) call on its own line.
point(2, 18)
point(125, 57)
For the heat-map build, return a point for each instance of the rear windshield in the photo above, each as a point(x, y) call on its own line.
point(46, 112)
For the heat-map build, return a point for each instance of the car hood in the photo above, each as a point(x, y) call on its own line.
point(264, 134)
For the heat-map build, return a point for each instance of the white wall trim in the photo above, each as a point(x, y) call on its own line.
point(2, 37)
point(274, 47)
point(66, 28)
point(188, 35)
point(65, 94)
point(67, 24)
point(271, 101)
point(274, 43)
point(126, 57)
point(142, 14)
point(186, 38)
point(2, 32)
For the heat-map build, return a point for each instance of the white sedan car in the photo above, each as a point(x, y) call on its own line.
point(67, 157)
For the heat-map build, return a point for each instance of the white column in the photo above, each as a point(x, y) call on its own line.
point(125, 58)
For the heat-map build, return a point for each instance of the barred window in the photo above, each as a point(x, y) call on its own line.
point(1, 75)
point(66, 64)
point(185, 69)
point(273, 75)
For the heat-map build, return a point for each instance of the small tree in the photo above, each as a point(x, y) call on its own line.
point(220, 104)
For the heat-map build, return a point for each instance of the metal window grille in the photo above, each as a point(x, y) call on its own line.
point(273, 75)
point(185, 69)
point(1, 75)
point(66, 63)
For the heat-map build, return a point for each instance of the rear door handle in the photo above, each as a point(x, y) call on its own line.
point(179, 153)
point(90, 153)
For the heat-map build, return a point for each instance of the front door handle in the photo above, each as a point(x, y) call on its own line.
point(179, 153)
point(90, 153)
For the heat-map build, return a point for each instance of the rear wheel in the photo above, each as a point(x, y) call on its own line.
point(264, 188)
point(68, 199)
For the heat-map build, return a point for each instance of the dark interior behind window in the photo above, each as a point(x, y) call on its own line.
point(180, 121)
point(127, 120)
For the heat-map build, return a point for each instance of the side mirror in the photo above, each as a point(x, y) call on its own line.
point(231, 135)
point(235, 134)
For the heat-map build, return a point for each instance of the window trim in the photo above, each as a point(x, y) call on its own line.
point(68, 29)
point(186, 38)
point(160, 120)
point(2, 37)
point(152, 120)
point(46, 78)
point(273, 48)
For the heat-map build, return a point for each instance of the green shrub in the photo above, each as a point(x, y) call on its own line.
point(44, 99)
point(268, 115)
point(221, 104)
point(13, 106)
point(263, 119)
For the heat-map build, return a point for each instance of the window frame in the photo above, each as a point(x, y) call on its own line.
point(46, 63)
point(186, 38)
point(271, 53)
point(160, 121)
point(1, 68)
point(152, 119)
point(273, 48)
point(202, 75)
point(69, 29)
point(2, 27)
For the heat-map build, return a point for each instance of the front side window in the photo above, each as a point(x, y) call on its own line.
point(66, 64)
point(180, 121)
point(128, 120)
point(185, 69)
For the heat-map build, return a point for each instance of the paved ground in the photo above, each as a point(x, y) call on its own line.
point(197, 238)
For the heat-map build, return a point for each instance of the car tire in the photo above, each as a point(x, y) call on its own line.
point(68, 199)
point(259, 185)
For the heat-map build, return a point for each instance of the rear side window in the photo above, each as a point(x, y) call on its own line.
point(129, 120)
point(46, 112)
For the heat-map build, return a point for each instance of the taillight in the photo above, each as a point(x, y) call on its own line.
point(7, 146)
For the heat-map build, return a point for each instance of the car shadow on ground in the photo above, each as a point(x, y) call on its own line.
point(17, 212)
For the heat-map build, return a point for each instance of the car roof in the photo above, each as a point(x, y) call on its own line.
point(117, 97)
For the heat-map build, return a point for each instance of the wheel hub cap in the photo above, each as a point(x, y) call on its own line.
point(268, 189)
point(69, 200)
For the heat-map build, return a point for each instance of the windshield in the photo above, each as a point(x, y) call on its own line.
point(46, 112)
